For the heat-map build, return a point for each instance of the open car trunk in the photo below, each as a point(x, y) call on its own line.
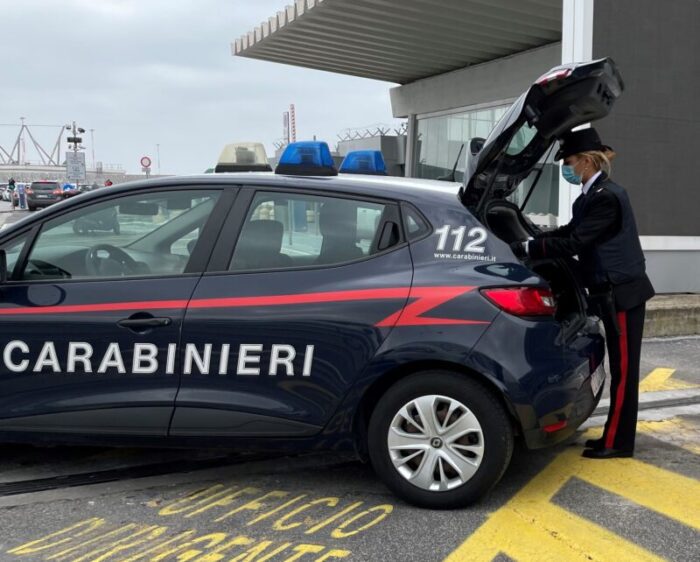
point(506, 221)
point(564, 98)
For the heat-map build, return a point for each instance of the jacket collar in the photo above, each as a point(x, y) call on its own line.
point(590, 183)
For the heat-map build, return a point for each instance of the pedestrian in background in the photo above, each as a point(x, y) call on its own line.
point(603, 234)
point(21, 196)
point(11, 188)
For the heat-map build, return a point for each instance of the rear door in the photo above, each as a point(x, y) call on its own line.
point(279, 329)
point(90, 320)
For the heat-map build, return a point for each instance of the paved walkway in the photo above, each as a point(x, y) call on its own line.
point(7, 215)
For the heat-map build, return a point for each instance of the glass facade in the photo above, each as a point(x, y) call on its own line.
point(542, 207)
point(438, 140)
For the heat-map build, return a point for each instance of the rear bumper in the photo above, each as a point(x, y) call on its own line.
point(35, 202)
point(560, 424)
point(545, 377)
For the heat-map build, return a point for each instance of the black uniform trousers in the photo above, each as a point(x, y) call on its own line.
point(624, 352)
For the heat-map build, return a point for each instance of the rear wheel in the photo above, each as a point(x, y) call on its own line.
point(439, 440)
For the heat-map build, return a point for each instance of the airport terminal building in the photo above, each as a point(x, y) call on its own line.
point(458, 64)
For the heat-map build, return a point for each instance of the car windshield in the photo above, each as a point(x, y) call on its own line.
point(521, 140)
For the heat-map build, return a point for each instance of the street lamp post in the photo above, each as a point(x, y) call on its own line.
point(75, 140)
point(92, 146)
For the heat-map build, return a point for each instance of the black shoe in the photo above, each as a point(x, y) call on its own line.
point(606, 454)
point(594, 444)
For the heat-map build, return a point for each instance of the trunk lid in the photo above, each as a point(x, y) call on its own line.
point(563, 98)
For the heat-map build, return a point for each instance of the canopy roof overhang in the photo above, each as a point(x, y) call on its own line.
point(401, 40)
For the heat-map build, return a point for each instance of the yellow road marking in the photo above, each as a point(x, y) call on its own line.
point(530, 526)
point(676, 428)
point(660, 379)
point(665, 492)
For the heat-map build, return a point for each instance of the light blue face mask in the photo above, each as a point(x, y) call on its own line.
point(569, 175)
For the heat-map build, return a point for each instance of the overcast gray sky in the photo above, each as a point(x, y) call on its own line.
point(142, 72)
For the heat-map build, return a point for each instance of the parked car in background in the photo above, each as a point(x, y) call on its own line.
point(6, 192)
point(42, 194)
point(71, 190)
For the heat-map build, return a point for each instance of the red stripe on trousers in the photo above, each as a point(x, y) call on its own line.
point(620, 397)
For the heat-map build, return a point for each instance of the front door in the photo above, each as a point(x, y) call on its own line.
point(272, 343)
point(91, 316)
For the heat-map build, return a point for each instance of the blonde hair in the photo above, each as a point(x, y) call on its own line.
point(601, 159)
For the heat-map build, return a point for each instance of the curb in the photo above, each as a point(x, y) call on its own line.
point(660, 399)
point(672, 315)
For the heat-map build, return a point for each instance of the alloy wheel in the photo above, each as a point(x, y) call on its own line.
point(436, 443)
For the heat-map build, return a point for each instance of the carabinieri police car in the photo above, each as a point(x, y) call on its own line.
point(304, 309)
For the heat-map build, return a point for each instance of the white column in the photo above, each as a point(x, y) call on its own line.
point(576, 46)
point(410, 154)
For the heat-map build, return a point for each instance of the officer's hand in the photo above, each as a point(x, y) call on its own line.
point(518, 249)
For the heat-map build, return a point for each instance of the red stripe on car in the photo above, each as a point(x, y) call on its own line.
point(427, 298)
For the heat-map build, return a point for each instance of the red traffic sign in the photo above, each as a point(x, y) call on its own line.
point(145, 162)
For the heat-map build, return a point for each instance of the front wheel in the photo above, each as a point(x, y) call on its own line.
point(439, 439)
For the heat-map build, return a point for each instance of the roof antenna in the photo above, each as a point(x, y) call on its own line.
point(451, 175)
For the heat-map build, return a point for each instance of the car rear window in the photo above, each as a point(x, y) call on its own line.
point(44, 186)
point(414, 224)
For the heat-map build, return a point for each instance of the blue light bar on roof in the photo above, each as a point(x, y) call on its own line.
point(306, 158)
point(364, 162)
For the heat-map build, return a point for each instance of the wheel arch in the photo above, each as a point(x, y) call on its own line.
point(379, 387)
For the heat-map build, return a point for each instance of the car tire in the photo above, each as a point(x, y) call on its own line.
point(442, 390)
point(31, 208)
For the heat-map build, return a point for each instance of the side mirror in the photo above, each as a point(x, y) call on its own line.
point(138, 208)
point(475, 145)
point(179, 202)
point(3, 267)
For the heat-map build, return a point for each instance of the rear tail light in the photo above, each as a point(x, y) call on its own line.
point(57, 192)
point(551, 76)
point(522, 301)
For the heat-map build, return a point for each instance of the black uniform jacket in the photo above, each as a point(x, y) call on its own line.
point(600, 222)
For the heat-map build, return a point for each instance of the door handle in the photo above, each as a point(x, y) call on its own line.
point(144, 323)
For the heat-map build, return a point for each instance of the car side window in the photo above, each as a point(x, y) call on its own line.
point(285, 230)
point(12, 251)
point(129, 236)
point(414, 224)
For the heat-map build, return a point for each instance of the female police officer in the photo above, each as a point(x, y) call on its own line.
point(603, 234)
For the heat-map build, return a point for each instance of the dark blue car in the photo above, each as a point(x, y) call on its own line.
point(307, 310)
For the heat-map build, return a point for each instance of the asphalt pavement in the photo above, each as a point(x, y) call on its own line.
point(8, 215)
